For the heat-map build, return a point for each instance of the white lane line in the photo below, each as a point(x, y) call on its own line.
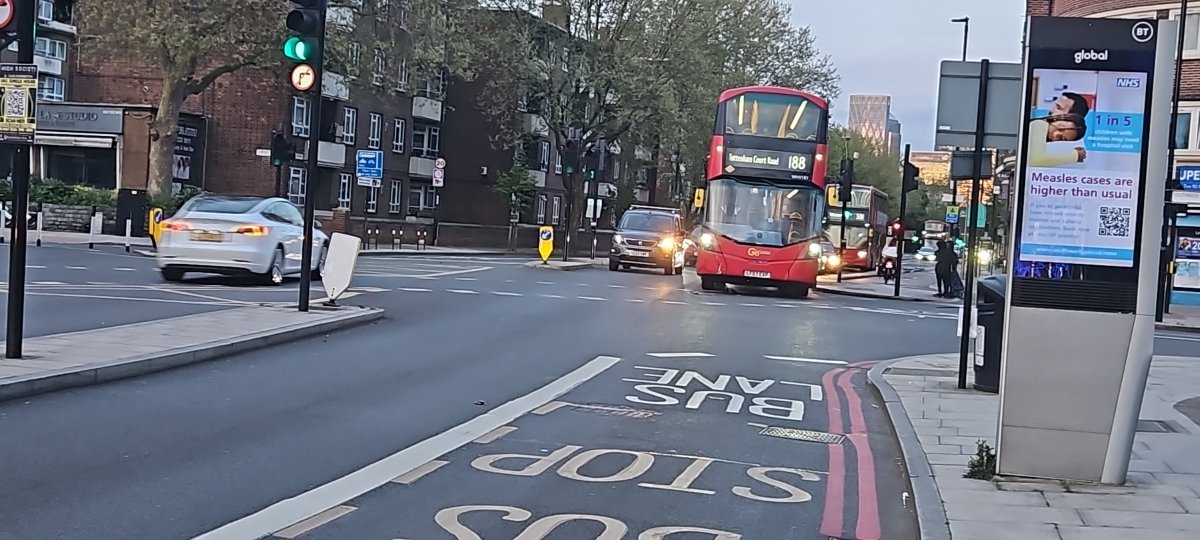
point(76, 268)
point(679, 355)
point(413, 289)
point(100, 283)
point(1165, 336)
point(503, 293)
point(714, 303)
point(37, 266)
point(125, 269)
point(461, 291)
point(495, 434)
point(419, 472)
point(673, 302)
point(786, 305)
point(47, 283)
point(307, 504)
point(592, 298)
point(545, 283)
point(551, 296)
point(617, 286)
point(752, 305)
point(810, 360)
point(466, 279)
point(455, 272)
point(649, 288)
point(635, 300)
point(315, 521)
point(583, 285)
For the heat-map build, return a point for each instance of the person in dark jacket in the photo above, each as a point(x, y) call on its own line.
point(947, 259)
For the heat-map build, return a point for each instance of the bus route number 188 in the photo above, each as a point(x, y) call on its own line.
point(797, 163)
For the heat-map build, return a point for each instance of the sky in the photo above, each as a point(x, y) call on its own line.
point(895, 47)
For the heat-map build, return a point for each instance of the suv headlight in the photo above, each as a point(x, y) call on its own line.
point(667, 243)
point(618, 239)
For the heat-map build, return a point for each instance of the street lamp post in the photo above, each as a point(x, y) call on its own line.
point(966, 22)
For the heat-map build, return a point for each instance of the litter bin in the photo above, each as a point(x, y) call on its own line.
point(990, 308)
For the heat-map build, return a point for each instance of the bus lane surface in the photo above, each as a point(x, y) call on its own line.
point(672, 447)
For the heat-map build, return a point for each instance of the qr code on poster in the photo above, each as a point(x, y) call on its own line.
point(16, 102)
point(1114, 221)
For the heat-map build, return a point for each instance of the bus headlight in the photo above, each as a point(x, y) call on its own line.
point(862, 253)
point(708, 241)
point(985, 256)
point(814, 250)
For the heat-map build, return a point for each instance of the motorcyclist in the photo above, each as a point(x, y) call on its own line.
point(890, 254)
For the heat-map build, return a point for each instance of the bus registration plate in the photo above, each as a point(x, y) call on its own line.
point(751, 273)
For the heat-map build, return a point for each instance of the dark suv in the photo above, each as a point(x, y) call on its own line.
point(648, 237)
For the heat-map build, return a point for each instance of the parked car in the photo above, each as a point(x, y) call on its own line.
point(237, 235)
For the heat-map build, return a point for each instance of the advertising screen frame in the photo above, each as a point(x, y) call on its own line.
point(1065, 47)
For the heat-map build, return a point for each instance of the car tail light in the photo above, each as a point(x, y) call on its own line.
point(251, 230)
point(176, 225)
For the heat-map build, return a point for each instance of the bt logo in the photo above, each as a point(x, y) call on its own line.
point(1091, 54)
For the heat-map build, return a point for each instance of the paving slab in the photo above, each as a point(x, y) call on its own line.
point(62, 361)
point(938, 425)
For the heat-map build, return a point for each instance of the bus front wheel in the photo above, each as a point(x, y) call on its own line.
point(711, 284)
point(796, 291)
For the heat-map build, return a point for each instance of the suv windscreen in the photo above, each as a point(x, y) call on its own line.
point(648, 222)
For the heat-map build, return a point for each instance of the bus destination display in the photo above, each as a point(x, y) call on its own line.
point(768, 159)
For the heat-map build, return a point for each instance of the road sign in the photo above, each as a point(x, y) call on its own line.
point(303, 76)
point(369, 164)
point(439, 163)
point(439, 177)
point(545, 242)
point(951, 214)
point(698, 200)
point(7, 10)
point(18, 119)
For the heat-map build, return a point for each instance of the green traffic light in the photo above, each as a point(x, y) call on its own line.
point(296, 48)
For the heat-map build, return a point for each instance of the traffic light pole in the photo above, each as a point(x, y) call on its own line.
point(593, 203)
point(314, 142)
point(15, 327)
point(845, 187)
point(900, 220)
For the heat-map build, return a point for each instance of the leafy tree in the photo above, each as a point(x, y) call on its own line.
point(517, 185)
point(190, 46)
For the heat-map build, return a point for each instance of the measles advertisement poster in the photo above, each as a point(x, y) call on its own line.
point(1083, 158)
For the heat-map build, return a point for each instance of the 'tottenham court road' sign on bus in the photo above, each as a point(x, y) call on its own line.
point(799, 165)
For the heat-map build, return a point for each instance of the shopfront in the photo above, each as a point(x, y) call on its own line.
point(79, 144)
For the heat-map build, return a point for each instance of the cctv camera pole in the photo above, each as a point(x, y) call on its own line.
point(310, 201)
point(20, 197)
point(1165, 256)
point(972, 229)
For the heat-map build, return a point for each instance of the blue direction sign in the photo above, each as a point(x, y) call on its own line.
point(369, 164)
point(951, 214)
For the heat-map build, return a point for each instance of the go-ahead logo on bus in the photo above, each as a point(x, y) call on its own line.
point(755, 252)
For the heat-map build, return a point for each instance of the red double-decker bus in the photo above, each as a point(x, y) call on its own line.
point(765, 199)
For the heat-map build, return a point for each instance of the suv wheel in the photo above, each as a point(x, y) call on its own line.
point(613, 266)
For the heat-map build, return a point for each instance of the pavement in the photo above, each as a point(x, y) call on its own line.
point(917, 284)
point(568, 402)
point(73, 359)
point(939, 425)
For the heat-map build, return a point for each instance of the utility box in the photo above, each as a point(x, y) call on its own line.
point(132, 204)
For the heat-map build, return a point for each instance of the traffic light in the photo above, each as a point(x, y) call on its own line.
point(911, 172)
point(306, 20)
point(916, 239)
point(847, 179)
point(897, 229)
point(570, 157)
point(282, 150)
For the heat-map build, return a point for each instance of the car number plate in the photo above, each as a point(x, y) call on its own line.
point(751, 273)
point(637, 253)
point(207, 236)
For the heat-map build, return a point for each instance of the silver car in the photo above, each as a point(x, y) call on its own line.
point(237, 235)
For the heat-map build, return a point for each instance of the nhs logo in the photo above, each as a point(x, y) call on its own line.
point(1129, 82)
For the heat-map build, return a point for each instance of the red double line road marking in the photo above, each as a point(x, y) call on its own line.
point(832, 520)
point(835, 488)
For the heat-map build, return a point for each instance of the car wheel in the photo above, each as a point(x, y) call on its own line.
point(317, 273)
point(711, 284)
point(613, 266)
point(274, 275)
point(172, 274)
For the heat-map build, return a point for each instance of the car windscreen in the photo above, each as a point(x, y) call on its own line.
point(222, 206)
point(646, 221)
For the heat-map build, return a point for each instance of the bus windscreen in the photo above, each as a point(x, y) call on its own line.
point(773, 115)
point(764, 214)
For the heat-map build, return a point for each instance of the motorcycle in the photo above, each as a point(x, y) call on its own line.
point(889, 270)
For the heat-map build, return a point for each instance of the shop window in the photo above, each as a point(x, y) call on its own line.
point(96, 167)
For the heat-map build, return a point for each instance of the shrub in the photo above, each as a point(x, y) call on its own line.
point(983, 464)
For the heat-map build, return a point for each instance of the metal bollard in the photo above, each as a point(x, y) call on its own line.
point(128, 232)
point(40, 226)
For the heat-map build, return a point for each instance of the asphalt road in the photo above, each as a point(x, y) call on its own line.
point(498, 399)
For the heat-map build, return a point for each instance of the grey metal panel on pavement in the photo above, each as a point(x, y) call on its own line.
point(931, 515)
